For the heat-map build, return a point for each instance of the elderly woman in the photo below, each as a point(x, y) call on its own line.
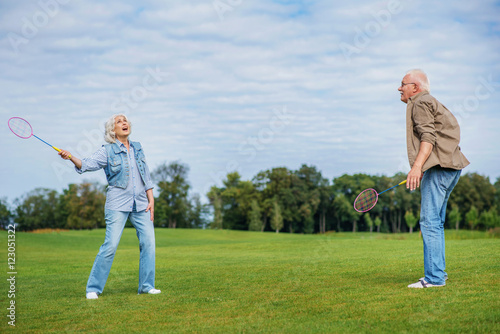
point(129, 196)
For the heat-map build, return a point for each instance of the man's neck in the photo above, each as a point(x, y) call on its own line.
point(413, 97)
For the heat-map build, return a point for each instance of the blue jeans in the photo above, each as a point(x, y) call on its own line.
point(436, 188)
point(115, 222)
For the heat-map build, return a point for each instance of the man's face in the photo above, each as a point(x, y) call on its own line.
point(408, 88)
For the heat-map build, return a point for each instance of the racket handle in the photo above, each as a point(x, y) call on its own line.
point(402, 182)
point(59, 150)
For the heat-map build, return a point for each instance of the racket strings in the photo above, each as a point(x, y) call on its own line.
point(20, 127)
point(366, 200)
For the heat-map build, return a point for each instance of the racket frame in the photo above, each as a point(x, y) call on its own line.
point(17, 134)
point(376, 200)
point(374, 203)
point(32, 134)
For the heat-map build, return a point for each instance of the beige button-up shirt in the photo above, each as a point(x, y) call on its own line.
point(429, 121)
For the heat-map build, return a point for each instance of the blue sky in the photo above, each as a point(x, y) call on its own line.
point(241, 85)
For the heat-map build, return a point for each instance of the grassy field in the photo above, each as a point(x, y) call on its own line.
point(247, 282)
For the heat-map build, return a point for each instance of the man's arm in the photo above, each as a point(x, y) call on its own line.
point(415, 174)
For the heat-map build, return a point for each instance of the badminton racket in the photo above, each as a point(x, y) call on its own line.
point(22, 128)
point(367, 199)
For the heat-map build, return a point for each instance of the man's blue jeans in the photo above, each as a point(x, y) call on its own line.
point(436, 188)
point(115, 222)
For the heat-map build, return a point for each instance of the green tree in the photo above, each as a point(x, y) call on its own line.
point(473, 190)
point(5, 213)
point(402, 203)
point(344, 212)
point(82, 206)
point(472, 217)
point(325, 203)
point(310, 192)
point(197, 213)
point(411, 220)
point(346, 188)
point(237, 196)
point(216, 202)
point(277, 184)
point(377, 223)
point(454, 216)
point(490, 218)
point(497, 194)
point(172, 204)
point(368, 221)
point(276, 218)
point(36, 209)
point(254, 217)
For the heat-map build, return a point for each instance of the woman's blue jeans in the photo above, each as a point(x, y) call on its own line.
point(115, 223)
point(436, 188)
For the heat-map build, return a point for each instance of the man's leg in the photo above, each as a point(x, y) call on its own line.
point(436, 188)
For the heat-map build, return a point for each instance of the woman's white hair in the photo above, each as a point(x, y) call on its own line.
point(109, 128)
point(421, 78)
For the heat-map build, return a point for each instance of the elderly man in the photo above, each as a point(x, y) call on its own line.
point(432, 136)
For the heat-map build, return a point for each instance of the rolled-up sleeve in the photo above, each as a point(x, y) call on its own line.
point(424, 123)
point(95, 162)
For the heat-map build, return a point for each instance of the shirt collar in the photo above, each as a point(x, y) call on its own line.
point(121, 145)
point(414, 97)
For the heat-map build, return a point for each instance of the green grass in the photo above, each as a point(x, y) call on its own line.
point(244, 282)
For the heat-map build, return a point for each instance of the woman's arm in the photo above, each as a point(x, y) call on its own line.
point(151, 204)
point(95, 162)
point(65, 155)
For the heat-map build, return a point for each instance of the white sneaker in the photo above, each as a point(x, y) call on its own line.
point(423, 278)
point(423, 284)
point(154, 291)
point(92, 295)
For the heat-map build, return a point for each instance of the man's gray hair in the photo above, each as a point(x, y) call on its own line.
point(109, 128)
point(421, 78)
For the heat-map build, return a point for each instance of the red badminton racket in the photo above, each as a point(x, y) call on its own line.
point(368, 198)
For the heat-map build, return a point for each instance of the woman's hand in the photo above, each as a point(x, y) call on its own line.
point(151, 203)
point(66, 155)
point(151, 207)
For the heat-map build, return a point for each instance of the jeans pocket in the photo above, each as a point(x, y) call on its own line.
point(448, 178)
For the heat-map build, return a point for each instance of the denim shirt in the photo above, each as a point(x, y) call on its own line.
point(127, 174)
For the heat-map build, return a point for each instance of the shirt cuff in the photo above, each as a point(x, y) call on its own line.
point(82, 169)
point(428, 138)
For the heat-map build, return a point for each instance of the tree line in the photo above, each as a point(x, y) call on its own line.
point(277, 199)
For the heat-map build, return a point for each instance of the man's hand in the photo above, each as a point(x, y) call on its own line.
point(414, 177)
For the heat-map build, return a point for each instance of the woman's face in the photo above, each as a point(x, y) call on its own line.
point(122, 128)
